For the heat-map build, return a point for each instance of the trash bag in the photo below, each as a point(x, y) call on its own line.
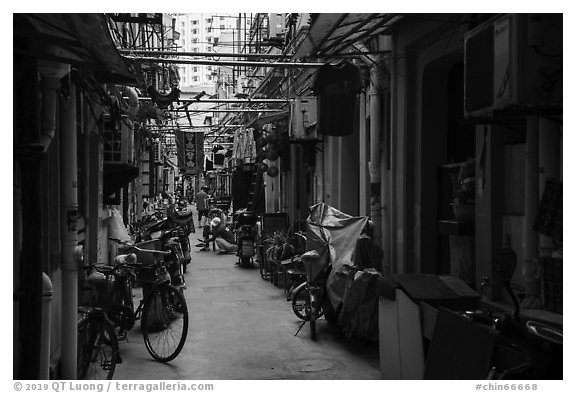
point(359, 314)
point(116, 227)
point(157, 318)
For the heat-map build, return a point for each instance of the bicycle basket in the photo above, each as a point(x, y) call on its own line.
point(97, 291)
point(158, 318)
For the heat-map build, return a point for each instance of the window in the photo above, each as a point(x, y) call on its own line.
point(209, 20)
point(222, 17)
point(222, 27)
point(209, 30)
point(194, 22)
point(194, 40)
point(209, 77)
point(209, 39)
point(194, 31)
point(209, 68)
point(216, 40)
point(195, 78)
point(195, 69)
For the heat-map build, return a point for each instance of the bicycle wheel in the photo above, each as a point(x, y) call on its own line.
point(165, 322)
point(97, 349)
point(301, 303)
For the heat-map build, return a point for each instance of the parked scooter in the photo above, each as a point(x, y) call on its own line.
point(538, 345)
point(246, 233)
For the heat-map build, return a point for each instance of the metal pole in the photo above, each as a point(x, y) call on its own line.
point(69, 190)
point(226, 100)
point(225, 110)
point(132, 52)
point(227, 62)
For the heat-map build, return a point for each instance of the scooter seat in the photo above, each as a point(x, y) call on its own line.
point(183, 217)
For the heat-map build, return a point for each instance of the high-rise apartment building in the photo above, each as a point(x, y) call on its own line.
point(216, 32)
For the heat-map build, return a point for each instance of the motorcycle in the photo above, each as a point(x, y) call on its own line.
point(246, 233)
point(537, 345)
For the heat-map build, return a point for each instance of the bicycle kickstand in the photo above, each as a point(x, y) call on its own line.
point(300, 328)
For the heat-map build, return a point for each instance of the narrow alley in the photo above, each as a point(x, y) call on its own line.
point(403, 171)
point(242, 327)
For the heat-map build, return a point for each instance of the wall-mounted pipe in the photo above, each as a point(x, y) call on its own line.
point(377, 83)
point(46, 328)
point(51, 73)
point(69, 239)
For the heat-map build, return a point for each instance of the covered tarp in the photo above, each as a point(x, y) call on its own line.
point(359, 314)
point(333, 234)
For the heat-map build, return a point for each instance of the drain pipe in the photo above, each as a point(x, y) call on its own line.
point(52, 73)
point(319, 174)
point(376, 99)
point(377, 78)
point(69, 200)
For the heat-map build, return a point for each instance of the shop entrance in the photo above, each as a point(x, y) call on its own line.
point(447, 168)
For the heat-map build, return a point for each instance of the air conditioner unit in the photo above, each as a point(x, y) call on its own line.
point(513, 61)
point(118, 144)
point(303, 120)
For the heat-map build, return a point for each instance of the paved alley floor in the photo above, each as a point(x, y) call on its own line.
point(242, 327)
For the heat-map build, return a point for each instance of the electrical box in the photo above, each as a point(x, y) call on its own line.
point(513, 61)
point(303, 120)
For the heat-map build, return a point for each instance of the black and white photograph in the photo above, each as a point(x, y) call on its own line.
point(242, 196)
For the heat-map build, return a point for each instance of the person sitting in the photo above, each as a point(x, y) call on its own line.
point(218, 232)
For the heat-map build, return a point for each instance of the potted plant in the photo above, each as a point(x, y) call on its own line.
point(277, 249)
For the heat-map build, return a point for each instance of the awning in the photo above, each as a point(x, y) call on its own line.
point(117, 175)
point(82, 40)
point(260, 121)
point(332, 33)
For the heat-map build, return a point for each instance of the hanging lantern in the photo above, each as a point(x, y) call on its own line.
point(272, 155)
point(263, 166)
point(260, 142)
point(272, 171)
point(271, 139)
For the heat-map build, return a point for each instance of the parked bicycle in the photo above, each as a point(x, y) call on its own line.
point(97, 342)
point(162, 311)
point(310, 299)
point(98, 351)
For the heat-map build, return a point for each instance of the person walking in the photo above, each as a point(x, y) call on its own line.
point(202, 206)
